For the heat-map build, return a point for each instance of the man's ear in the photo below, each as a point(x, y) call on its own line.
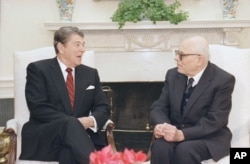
point(60, 47)
point(200, 60)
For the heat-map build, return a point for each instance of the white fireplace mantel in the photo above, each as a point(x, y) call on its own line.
point(149, 25)
point(162, 36)
point(147, 47)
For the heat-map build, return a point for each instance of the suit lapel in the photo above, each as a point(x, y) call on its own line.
point(179, 89)
point(60, 86)
point(199, 89)
point(80, 86)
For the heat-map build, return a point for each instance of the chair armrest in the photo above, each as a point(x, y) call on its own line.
point(149, 150)
point(12, 124)
point(109, 126)
point(107, 123)
point(10, 132)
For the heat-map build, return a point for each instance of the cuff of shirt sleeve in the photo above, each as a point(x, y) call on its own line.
point(94, 128)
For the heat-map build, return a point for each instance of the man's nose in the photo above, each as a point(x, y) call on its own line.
point(176, 58)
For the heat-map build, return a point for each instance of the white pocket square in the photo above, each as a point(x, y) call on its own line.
point(90, 87)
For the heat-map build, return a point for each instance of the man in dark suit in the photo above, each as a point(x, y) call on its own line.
point(190, 121)
point(61, 127)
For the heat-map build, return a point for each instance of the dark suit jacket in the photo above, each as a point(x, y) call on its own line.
point(206, 114)
point(47, 99)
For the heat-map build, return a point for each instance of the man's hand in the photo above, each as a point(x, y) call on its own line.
point(86, 122)
point(158, 130)
point(168, 132)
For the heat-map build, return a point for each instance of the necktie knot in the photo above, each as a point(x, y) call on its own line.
point(190, 81)
point(69, 70)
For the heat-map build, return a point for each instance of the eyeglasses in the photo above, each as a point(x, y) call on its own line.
point(181, 54)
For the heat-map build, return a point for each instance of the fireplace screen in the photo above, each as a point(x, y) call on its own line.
point(130, 106)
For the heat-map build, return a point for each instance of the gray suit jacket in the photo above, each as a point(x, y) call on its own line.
point(47, 99)
point(207, 112)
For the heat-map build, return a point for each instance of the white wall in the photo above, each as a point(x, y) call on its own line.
point(22, 26)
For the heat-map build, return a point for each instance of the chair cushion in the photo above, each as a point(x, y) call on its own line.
point(224, 160)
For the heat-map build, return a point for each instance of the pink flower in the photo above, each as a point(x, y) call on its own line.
point(107, 156)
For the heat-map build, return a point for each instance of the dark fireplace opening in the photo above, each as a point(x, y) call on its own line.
point(130, 103)
point(130, 107)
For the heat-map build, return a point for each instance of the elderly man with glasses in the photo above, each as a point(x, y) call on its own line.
point(191, 115)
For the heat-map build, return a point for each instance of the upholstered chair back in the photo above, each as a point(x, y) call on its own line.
point(236, 61)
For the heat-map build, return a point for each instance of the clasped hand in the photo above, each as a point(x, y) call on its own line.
point(86, 122)
point(169, 132)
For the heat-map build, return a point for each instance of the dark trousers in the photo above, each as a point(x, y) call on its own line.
point(64, 140)
point(187, 152)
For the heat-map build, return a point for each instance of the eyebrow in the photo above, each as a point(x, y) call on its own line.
point(77, 42)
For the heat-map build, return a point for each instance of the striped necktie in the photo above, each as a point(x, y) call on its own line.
point(187, 94)
point(70, 86)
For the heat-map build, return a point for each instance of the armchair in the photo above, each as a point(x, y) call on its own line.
point(236, 61)
point(21, 113)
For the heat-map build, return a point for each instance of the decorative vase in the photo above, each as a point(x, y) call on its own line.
point(66, 9)
point(229, 8)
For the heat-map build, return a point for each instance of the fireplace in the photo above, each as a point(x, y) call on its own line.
point(130, 103)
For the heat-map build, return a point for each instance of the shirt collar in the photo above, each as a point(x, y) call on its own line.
point(63, 66)
point(63, 69)
point(198, 76)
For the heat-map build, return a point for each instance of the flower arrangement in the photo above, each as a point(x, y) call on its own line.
point(107, 156)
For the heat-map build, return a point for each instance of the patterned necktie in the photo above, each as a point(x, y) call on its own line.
point(70, 86)
point(189, 85)
point(187, 94)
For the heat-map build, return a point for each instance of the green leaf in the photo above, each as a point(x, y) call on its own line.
point(155, 10)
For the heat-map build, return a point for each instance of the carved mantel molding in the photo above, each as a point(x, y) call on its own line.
point(162, 36)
